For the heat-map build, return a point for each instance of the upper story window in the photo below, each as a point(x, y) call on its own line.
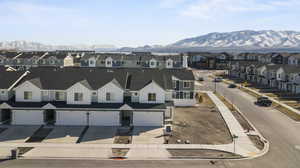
point(78, 96)
point(1, 61)
point(3, 92)
point(152, 63)
point(138, 62)
point(27, 95)
point(59, 96)
point(151, 96)
point(186, 84)
point(91, 62)
point(108, 96)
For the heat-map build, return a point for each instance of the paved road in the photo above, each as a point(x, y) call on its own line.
point(282, 133)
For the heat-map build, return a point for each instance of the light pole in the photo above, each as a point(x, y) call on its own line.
point(234, 137)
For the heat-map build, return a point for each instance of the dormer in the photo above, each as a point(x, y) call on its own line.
point(169, 63)
point(79, 93)
point(69, 60)
point(108, 62)
point(152, 63)
point(92, 62)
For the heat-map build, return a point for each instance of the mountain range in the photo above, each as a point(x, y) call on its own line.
point(247, 40)
point(26, 45)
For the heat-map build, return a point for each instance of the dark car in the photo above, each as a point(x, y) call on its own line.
point(263, 101)
point(200, 79)
point(232, 86)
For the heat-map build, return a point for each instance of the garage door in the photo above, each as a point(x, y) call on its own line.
point(71, 118)
point(148, 118)
point(105, 118)
point(27, 117)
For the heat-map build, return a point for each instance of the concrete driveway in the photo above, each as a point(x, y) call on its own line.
point(148, 135)
point(17, 134)
point(64, 134)
point(99, 135)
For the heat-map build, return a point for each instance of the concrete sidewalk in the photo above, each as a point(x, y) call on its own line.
point(244, 145)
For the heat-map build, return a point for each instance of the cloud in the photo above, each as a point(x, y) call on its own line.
point(42, 15)
point(207, 9)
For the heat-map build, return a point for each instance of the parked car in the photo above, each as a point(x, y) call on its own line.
point(200, 79)
point(263, 101)
point(218, 79)
point(232, 86)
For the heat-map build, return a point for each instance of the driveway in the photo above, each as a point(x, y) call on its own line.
point(17, 134)
point(99, 135)
point(147, 135)
point(64, 134)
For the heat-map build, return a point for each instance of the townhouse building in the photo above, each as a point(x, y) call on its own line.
point(94, 96)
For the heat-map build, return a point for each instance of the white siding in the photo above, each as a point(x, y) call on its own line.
point(71, 118)
point(3, 95)
point(27, 117)
point(107, 60)
point(152, 88)
point(27, 86)
point(78, 88)
point(152, 63)
point(105, 118)
point(169, 63)
point(92, 62)
point(148, 118)
point(117, 94)
point(169, 96)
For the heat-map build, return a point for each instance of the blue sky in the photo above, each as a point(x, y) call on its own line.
point(139, 22)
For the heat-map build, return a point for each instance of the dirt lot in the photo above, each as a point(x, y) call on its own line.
point(202, 153)
point(200, 125)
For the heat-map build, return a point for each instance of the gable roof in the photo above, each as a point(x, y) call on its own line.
point(8, 78)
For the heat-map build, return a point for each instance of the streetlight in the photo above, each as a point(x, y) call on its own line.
point(234, 137)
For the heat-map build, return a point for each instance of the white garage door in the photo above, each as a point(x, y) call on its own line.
point(105, 118)
point(28, 117)
point(148, 118)
point(71, 118)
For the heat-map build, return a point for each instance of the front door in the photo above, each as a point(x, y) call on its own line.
point(6, 116)
point(126, 118)
point(49, 117)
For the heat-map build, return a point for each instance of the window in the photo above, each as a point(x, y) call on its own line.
point(138, 62)
point(94, 93)
point(186, 84)
point(152, 63)
point(135, 93)
point(91, 62)
point(78, 96)
point(27, 95)
point(151, 97)
point(108, 62)
point(2, 92)
point(108, 96)
point(59, 96)
point(1, 61)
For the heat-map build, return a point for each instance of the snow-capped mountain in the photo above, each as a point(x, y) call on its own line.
point(26, 45)
point(242, 39)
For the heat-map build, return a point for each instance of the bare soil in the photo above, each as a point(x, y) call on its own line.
point(123, 137)
point(257, 141)
point(200, 125)
point(202, 153)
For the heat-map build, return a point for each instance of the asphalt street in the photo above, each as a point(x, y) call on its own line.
point(282, 133)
